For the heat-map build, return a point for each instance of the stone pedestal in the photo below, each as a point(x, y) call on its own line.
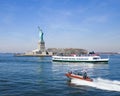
point(41, 46)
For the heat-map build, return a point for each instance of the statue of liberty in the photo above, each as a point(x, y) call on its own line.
point(40, 34)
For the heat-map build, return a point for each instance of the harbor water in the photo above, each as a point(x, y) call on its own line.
point(39, 76)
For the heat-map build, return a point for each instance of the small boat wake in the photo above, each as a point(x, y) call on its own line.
point(99, 83)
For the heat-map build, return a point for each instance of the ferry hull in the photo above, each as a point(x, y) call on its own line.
point(80, 61)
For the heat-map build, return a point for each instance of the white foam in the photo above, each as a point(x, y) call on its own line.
point(99, 83)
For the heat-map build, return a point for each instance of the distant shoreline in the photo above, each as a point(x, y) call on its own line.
point(22, 54)
point(31, 55)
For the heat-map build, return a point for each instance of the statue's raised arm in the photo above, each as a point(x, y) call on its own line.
point(40, 34)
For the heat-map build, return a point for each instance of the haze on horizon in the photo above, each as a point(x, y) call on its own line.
point(88, 24)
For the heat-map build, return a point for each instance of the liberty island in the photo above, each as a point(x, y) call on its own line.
point(42, 51)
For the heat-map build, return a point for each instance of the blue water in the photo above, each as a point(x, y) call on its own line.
point(39, 76)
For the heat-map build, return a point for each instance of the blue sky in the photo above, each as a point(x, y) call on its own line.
point(87, 24)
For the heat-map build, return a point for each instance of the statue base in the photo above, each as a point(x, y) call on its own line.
point(41, 46)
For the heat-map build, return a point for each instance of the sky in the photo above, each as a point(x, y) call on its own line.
point(93, 25)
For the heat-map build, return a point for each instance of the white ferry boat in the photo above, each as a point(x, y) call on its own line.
point(79, 59)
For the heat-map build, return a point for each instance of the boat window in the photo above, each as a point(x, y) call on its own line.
point(95, 58)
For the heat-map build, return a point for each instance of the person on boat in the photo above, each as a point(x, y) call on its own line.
point(79, 73)
point(84, 74)
point(70, 72)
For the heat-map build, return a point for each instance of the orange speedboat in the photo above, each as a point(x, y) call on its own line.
point(72, 76)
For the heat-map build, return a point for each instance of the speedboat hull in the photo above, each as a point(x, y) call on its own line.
point(73, 76)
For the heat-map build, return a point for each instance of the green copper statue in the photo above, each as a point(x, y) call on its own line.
point(40, 34)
